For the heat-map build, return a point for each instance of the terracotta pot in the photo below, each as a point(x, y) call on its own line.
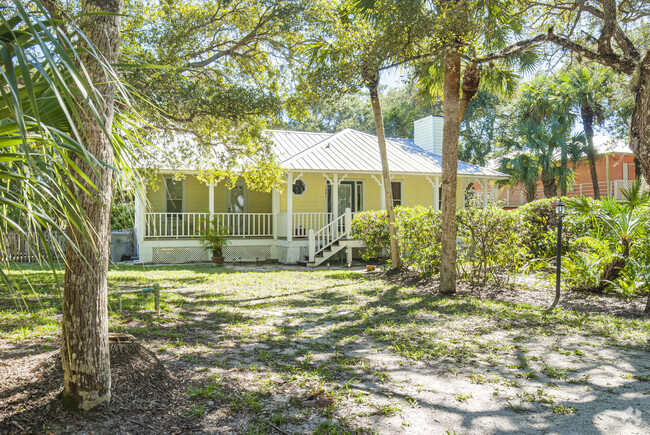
point(370, 267)
point(217, 260)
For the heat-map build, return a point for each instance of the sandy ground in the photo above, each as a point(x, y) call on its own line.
point(540, 382)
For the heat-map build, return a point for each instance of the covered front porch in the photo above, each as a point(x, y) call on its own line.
point(290, 224)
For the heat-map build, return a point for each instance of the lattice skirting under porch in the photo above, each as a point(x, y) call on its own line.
point(180, 255)
point(198, 255)
point(247, 253)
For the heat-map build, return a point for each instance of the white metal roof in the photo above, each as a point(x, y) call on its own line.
point(345, 151)
point(354, 151)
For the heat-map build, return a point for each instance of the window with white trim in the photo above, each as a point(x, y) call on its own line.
point(173, 195)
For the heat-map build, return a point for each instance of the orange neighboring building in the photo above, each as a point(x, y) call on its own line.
point(615, 166)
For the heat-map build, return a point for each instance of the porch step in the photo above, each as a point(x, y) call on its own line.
point(328, 253)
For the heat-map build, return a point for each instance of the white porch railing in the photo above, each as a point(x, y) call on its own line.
point(329, 234)
point(176, 225)
point(515, 196)
point(247, 224)
point(303, 222)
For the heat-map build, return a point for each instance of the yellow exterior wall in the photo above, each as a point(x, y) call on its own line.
point(155, 197)
point(197, 196)
point(416, 191)
point(259, 202)
point(313, 199)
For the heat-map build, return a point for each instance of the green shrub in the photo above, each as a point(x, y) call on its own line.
point(418, 230)
point(122, 215)
point(371, 227)
point(491, 248)
point(539, 226)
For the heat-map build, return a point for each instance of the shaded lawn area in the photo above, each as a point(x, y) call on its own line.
point(258, 352)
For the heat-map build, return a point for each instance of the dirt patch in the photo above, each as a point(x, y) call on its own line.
point(528, 289)
point(142, 391)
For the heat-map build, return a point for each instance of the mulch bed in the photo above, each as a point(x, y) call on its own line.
point(146, 397)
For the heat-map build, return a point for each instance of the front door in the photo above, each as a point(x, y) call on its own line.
point(345, 197)
point(237, 203)
point(237, 222)
point(350, 196)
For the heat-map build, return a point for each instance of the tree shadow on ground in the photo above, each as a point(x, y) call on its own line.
point(249, 357)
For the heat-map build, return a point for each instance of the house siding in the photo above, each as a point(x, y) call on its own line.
point(197, 195)
point(417, 191)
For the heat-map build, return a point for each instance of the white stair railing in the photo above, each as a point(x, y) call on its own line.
point(329, 234)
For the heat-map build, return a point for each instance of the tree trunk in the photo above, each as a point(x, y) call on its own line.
point(549, 184)
point(588, 122)
point(84, 344)
point(531, 194)
point(451, 129)
point(470, 85)
point(373, 87)
point(613, 270)
point(640, 122)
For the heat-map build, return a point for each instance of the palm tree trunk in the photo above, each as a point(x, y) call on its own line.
point(84, 344)
point(612, 271)
point(470, 85)
point(373, 87)
point(587, 122)
point(549, 184)
point(451, 129)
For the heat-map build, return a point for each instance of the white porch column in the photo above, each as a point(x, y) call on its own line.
point(382, 196)
point(335, 196)
point(275, 210)
point(289, 207)
point(211, 200)
point(485, 193)
point(140, 215)
point(435, 185)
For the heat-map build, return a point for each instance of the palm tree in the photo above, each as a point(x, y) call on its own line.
point(58, 150)
point(586, 88)
point(523, 170)
point(542, 129)
point(625, 222)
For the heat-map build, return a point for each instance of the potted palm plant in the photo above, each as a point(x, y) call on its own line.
point(213, 238)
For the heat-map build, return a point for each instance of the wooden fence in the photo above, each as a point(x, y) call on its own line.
point(20, 248)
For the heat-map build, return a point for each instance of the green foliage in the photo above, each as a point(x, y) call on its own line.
point(541, 129)
point(491, 248)
point(400, 107)
point(41, 141)
point(418, 234)
point(539, 226)
point(214, 73)
point(213, 235)
point(122, 215)
point(371, 227)
point(478, 128)
point(622, 224)
point(418, 230)
point(490, 237)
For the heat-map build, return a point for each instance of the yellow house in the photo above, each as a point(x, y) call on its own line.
point(329, 178)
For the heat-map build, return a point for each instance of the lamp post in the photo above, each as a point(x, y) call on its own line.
point(559, 211)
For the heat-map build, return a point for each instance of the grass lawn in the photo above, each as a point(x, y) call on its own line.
point(340, 351)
